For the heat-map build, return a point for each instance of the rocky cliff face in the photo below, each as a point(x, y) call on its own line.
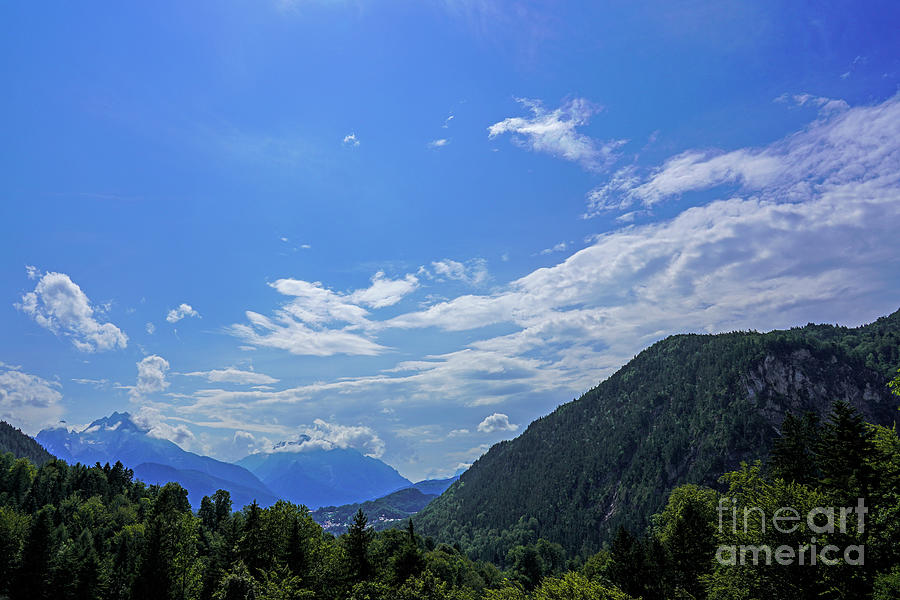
point(801, 382)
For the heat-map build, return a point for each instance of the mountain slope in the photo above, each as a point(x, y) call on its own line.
point(684, 410)
point(324, 477)
point(382, 513)
point(22, 446)
point(118, 438)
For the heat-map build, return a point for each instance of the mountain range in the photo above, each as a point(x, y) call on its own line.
point(316, 477)
point(154, 461)
point(323, 477)
point(685, 410)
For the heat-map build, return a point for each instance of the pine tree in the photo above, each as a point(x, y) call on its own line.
point(408, 562)
point(627, 567)
point(357, 541)
point(844, 448)
point(254, 549)
point(793, 455)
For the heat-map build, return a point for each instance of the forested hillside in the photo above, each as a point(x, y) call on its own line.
point(93, 533)
point(685, 410)
point(21, 445)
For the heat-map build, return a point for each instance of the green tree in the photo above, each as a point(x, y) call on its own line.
point(793, 455)
point(357, 541)
point(844, 449)
point(408, 561)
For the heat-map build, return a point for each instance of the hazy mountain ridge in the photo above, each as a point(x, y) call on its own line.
point(118, 438)
point(318, 478)
point(686, 409)
point(385, 512)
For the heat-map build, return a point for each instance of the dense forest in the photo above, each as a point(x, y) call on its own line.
point(72, 531)
point(685, 410)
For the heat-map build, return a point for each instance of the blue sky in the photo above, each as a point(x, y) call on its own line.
point(413, 227)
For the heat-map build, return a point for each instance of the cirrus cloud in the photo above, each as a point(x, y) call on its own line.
point(555, 132)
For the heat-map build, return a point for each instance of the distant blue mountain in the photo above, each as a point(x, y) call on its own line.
point(435, 487)
point(154, 460)
point(323, 477)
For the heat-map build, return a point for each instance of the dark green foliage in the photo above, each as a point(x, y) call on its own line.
point(683, 411)
point(21, 445)
point(357, 541)
point(794, 453)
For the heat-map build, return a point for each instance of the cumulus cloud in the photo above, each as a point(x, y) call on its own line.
point(555, 132)
point(351, 140)
point(58, 304)
point(151, 376)
point(323, 435)
point(150, 328)
point(321, 322)
point(438, 143)
point(234, 375)
point(496, 422)
point(28, 401)
point(180, 312)
point(152, 421)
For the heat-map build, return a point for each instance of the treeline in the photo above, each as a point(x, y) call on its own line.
point(78, 532)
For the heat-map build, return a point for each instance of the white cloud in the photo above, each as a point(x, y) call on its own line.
point(835, 150)
point(58, 304)
point(323, 435)
point(440, 143)
point(234, 375)
point(825, 105)
point(447, 122)
point(180, 312)
point(496, 422)
point(32, 272)
point(97, 383)
point(817, 244)
point(560, 247)
point(384, 291)
point(555, 132)
point(151, 420)
point(308, 324)
point(351, 140)
point(28, 401)
point(472, 272)
point(151, 377)
point(150, 327)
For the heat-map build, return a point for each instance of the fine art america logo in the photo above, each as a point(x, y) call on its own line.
point(820, 521)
